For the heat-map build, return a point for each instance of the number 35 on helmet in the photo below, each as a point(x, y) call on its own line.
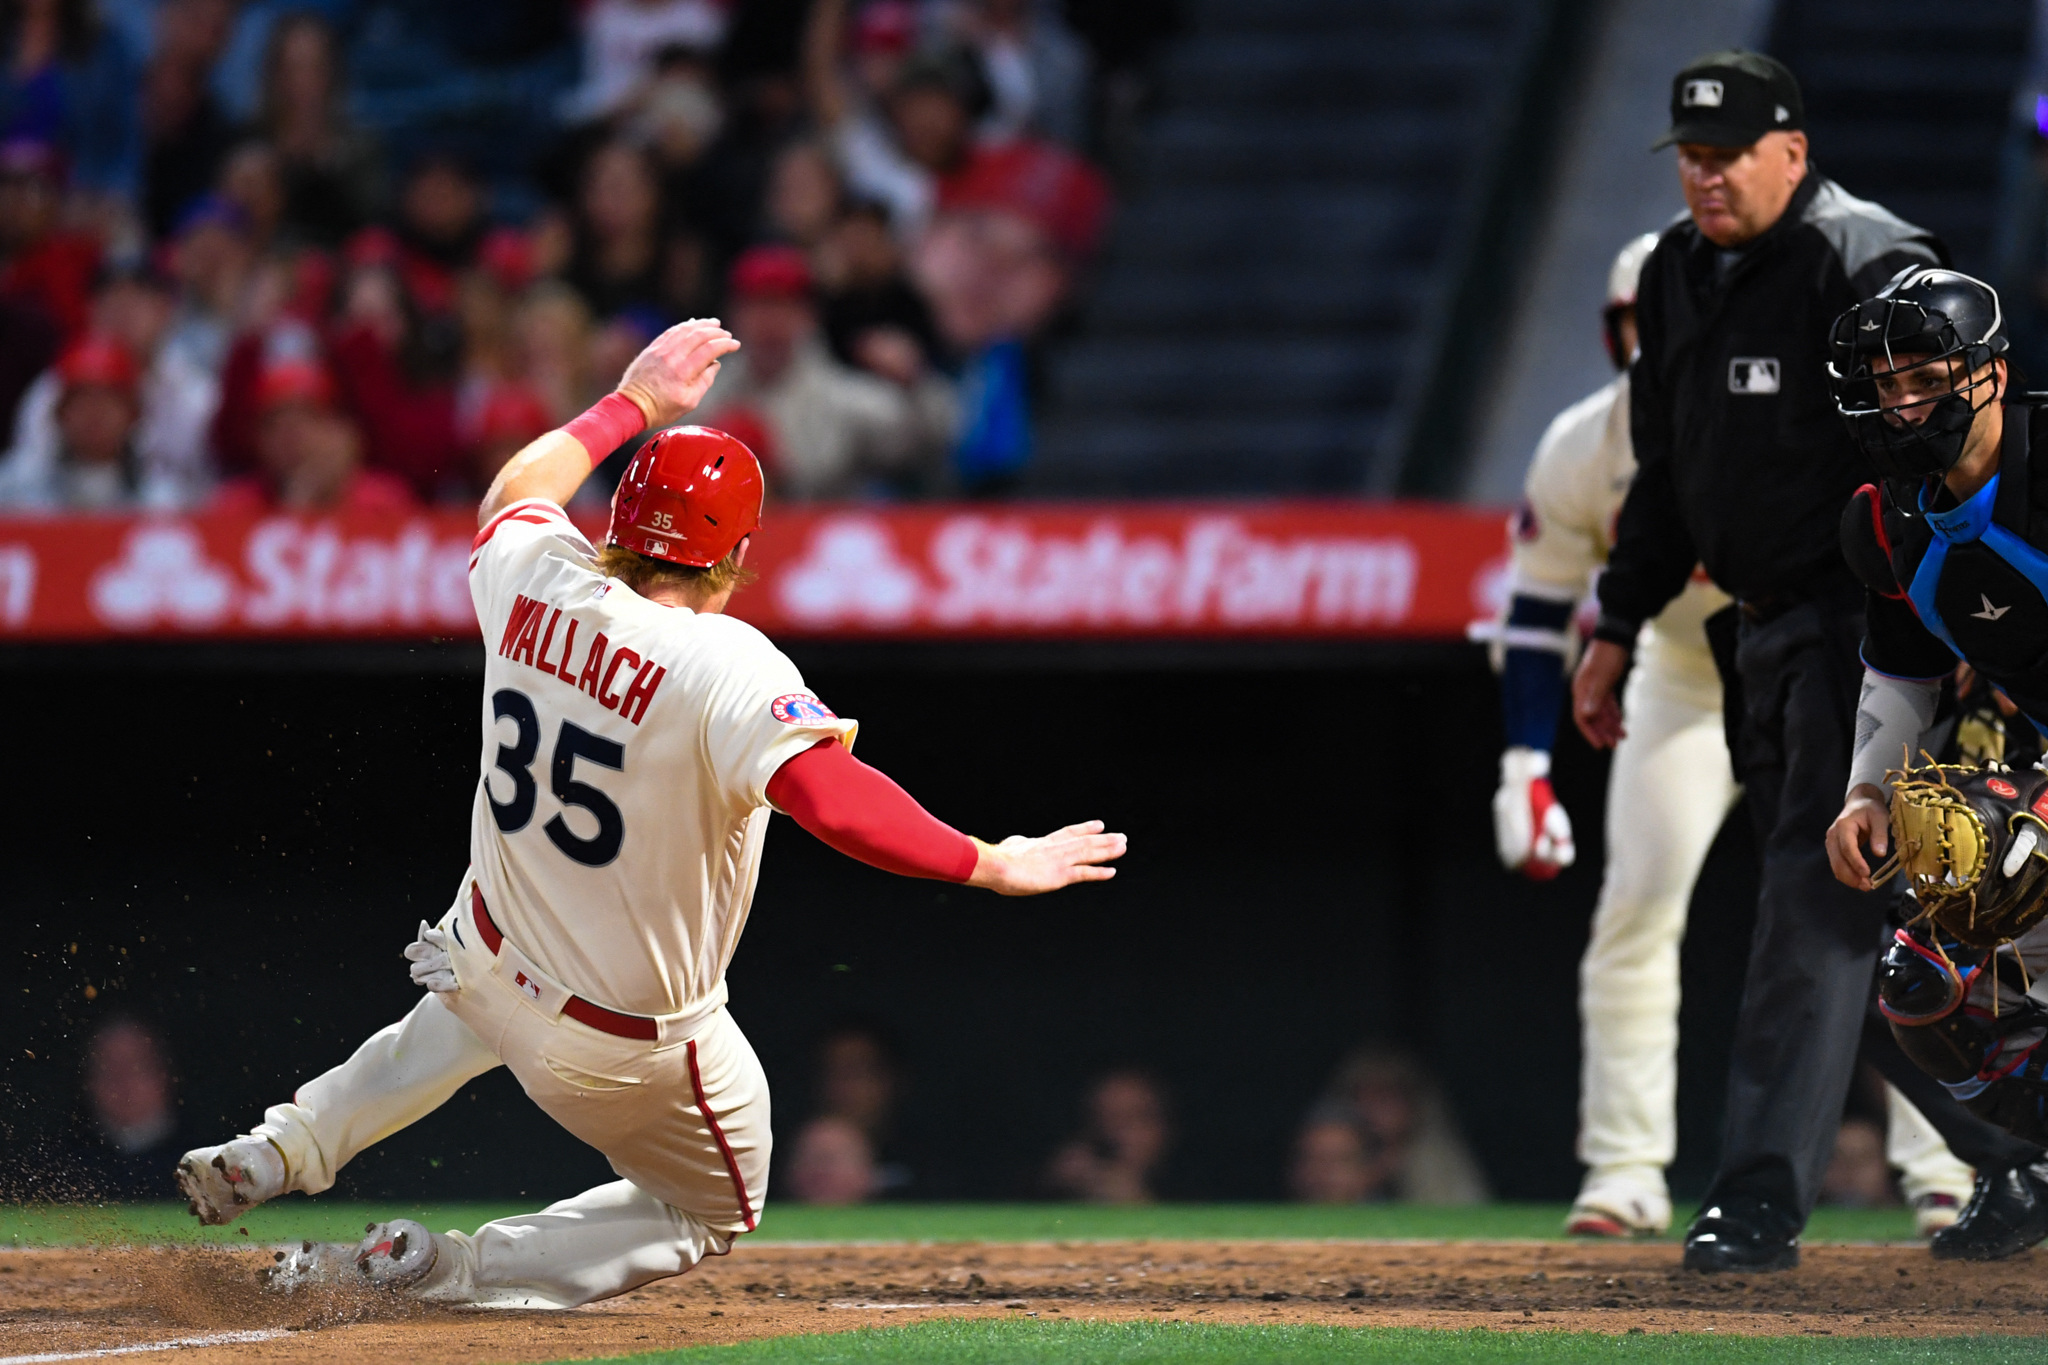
point(689, 496)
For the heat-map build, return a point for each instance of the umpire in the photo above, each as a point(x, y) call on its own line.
point(1744, 468)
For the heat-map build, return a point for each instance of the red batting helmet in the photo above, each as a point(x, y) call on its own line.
point(690, 495)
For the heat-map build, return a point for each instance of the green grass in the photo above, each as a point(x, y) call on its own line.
point(1010, 1342)
point(323, 1220)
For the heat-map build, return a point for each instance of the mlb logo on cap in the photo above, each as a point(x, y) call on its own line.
point(1732, 98)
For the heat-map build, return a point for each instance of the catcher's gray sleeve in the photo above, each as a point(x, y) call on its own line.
point(1891, 716)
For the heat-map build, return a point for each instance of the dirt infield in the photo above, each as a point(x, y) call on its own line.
point(75, 1300)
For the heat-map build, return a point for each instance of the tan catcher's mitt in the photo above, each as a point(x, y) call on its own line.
point(1972, 845)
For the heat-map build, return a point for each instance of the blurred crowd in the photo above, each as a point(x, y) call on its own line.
point(219, 286)
point(1381, 1131)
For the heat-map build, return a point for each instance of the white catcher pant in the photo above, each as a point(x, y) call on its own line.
point(1669, 789)
point(685, 1124)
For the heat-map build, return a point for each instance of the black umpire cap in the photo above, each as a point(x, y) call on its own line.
point(1730, 99)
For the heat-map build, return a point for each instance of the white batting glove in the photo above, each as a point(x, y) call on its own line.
point(429, 957)
point(1530, 828)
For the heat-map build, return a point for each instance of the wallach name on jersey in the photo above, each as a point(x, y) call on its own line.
point(527, 642)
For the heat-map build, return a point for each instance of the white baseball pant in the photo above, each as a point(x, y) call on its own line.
point(685, 1123)
point(1669, 789)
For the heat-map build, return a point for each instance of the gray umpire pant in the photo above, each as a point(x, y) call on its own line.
point(1813, 958)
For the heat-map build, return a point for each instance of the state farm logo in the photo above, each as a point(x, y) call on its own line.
point(292, 574)
point(850, 572)
point(981, 571)
point(316, 576)
point(163, 574)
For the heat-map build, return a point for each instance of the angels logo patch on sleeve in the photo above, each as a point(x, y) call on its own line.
point(1523, 525)
point(800, 708)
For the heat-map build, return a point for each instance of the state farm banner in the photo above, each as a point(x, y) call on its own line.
point(1328, 570)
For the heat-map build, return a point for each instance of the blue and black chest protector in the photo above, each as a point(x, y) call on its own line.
point(1974, 575)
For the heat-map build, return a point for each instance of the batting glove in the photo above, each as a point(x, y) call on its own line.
point(429, 957)
point(1530, 828)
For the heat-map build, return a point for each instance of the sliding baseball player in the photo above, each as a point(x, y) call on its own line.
point(634, 740)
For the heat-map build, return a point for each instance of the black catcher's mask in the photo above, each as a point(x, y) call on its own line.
point(1935, 329)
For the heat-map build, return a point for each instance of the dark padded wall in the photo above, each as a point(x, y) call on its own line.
point(1311, 865)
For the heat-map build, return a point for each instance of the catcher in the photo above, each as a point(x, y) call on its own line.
point(1949, 546)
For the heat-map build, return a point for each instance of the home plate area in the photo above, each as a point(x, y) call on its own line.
point(204, 1304)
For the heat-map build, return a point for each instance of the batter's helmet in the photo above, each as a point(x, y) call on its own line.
point(690, 495)
point(1622, 279)
point(1925, 316)
point(1627, 270)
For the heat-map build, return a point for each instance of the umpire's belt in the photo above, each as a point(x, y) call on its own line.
point(537, 986)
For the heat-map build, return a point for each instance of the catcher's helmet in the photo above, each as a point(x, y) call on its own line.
point(689, 496)
point(1942, 323)
point(1622, 279)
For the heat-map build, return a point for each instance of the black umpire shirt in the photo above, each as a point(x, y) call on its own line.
point(1743, 464)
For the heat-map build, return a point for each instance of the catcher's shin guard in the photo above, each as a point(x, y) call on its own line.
point(2018, 1100)
point(1940, 997)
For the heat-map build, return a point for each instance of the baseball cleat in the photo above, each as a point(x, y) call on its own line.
point(392, 1256)
point(1933, 1212)
point(1584, 1222)
point(222, 1183)
point(2008, 1214)
point(1614, 1206)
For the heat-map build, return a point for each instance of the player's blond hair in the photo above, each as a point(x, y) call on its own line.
point(641, 572)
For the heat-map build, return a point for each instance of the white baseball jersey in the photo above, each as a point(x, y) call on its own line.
point(1565, 529)
point(627, 748)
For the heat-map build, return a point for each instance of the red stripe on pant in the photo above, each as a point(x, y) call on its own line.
point(732, 1165)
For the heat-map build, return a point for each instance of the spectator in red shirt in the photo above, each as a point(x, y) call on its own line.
point(46, 267)
point(310, 454)
point(394, 380)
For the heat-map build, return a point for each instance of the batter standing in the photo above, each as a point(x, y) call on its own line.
point(634, 741)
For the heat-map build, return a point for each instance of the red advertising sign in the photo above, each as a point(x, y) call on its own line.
point(1084, 570)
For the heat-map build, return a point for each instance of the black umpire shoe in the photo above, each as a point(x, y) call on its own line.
point(2007, 1214)
point(1742, 1232)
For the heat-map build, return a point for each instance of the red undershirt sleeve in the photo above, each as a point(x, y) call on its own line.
point(864, 815)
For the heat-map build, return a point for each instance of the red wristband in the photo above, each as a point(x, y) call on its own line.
point(610, 423)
